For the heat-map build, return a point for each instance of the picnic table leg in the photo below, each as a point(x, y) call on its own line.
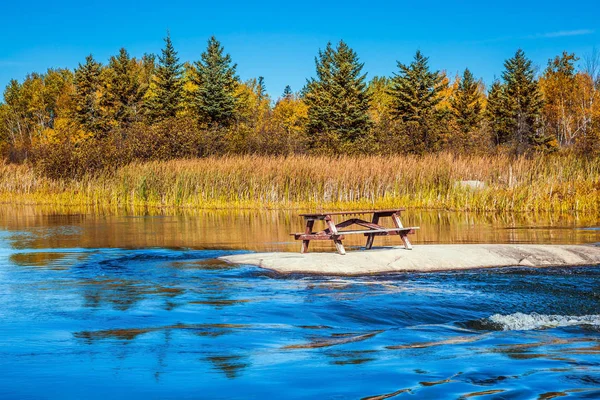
point(333, 230)
point(370, 238)
point(403, 235)
point(308, 231)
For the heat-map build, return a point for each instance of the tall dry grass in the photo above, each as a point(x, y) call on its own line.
point(540, 183)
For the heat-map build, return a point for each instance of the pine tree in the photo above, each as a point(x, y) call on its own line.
point(287, 93)
point(496, 113)
point(261, 89)
point(167, 85)
point(415, 90)
point(216, 81)
point(466, 103)
point(523, 102)
point(124, 89)
point(337, 100)
point(86, 96)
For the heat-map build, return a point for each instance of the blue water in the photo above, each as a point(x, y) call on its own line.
point(99, 323)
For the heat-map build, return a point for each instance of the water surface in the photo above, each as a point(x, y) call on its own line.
point(97, 305)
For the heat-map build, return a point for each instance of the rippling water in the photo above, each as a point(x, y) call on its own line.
point(89, 310)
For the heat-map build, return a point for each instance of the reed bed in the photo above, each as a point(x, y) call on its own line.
point(559, 183)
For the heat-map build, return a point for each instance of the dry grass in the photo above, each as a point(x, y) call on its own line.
point(542, 183)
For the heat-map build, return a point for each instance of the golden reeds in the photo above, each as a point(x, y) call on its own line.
point(540, 183)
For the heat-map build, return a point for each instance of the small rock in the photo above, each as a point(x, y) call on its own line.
point(470, 184)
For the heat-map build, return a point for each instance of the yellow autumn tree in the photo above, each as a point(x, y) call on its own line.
point(380, 99)
point(587, 126)
point(287, 125)
point(252, 114)
point(561, 87)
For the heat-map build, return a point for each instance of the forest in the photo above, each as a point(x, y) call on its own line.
point(157, 108)
point(68, 131)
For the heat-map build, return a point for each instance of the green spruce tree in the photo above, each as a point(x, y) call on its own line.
point(415, 92)
point(124, 90)
point(287, 93)
point(523, 103)
point(214, 75)
point(466, 103)
point(337, 100)
point(167, 85)
point(496, 112)
point(87, 94)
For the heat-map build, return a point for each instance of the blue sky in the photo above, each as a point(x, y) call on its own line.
point(279, 40)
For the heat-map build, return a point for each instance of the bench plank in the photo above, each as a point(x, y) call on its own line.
point(339, 234)
point(315, 236)
point(375, 231)
point(401, 233)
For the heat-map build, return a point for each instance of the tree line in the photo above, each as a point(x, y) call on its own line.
point(97, 116)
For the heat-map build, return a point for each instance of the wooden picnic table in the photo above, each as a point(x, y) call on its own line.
point(333, 233)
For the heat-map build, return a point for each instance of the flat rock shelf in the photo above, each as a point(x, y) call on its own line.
point(423, 258)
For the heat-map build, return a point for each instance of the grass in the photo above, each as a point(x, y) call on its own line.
point(558, 183)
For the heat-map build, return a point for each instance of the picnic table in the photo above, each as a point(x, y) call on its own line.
point(333, 232)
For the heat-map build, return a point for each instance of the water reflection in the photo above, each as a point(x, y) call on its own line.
point(230, 365)
point(208, 330)
point(38, 259)
point(121, 294)
point(387, 395)
point(335, 339)
point(454, 340)
point(482, 393)
point(352, 357)
point(39, 227)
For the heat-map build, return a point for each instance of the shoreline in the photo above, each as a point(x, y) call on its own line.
point(423, 258)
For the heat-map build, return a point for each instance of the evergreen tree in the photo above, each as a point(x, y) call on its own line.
point(287, 93)
point(124, 89)
point(87, 94)
point(466, 103)
point(261, 89)
point(167, 84)
point(415, 90)
point(523, 102)
point(216, 81)
point(496, 113)
point(337, 100)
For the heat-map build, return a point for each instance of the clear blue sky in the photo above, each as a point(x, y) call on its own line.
point(278, 39)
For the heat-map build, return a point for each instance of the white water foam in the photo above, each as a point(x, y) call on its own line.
point(526, 322)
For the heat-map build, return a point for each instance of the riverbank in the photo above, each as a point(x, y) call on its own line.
point(559, 183)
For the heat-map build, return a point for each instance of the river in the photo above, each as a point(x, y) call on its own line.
point(104, 304)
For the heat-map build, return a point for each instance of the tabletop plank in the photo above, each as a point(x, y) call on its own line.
point(323, 214)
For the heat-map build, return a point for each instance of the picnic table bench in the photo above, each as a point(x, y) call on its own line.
point(333, 233)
